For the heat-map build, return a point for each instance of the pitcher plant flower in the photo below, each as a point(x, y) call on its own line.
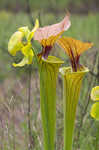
point(48, 35)
point(95, 107)
point(21, 41)
point(72, 81)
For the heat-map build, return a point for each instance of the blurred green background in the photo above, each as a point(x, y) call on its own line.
point(14, 81)
point(77, 6)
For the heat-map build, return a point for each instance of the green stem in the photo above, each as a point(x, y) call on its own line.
point(29, 109)
point(72, 83)
point(48, 75)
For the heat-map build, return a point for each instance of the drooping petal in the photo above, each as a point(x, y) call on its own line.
point(95, 111)
point(26, 60)
point(22, 63)
point(25, 50)
point(30, 56)
point(95, 93)
point(48, 34)
point(15, 43)
point(33, 30)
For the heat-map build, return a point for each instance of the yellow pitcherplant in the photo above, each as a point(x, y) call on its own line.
point(48, 71)
point(21, 41)
point(95, 107)
point(72, 81)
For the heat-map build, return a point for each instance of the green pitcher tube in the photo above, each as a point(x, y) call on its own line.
point(72, 82)
point(48, 70)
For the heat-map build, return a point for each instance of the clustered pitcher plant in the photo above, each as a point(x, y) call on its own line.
point(72, 80)
point(48, 67)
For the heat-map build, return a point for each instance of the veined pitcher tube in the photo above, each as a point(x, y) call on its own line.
point(72, 82)
point(48, 70)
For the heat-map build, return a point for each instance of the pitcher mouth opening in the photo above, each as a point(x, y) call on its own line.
point(68, 70)
point(52, 60)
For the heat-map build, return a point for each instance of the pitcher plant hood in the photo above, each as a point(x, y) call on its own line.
point(74, 48)
point(48, 35)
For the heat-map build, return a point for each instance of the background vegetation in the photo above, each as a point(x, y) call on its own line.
point(15, 82)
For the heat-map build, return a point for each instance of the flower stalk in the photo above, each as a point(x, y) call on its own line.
point(72, 82)
point(48, 71)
